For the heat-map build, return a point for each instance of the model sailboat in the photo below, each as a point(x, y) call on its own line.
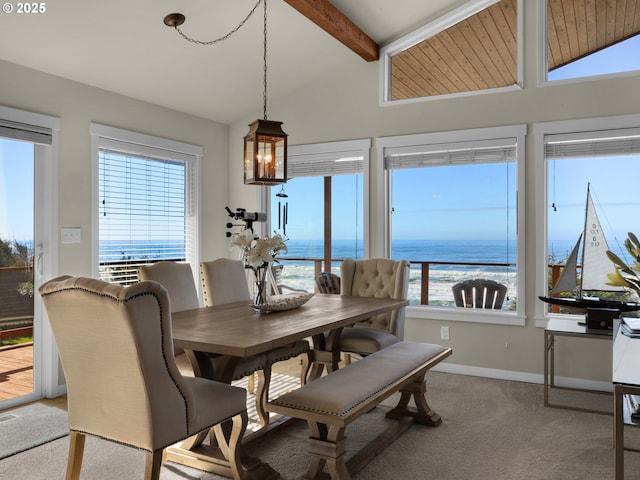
point(595, 267)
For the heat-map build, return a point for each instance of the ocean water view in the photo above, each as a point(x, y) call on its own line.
point(300, 273)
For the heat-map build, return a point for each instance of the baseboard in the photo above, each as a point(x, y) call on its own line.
point(521, 376)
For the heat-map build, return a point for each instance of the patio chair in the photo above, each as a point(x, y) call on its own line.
point(279, 287)
point(123, 385)
point(379, 278)
point(327, 282)
point(479, 293)
point(224, 281)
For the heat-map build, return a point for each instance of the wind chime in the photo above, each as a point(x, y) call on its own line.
point(283, 210)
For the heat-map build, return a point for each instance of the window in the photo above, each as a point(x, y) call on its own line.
point(596, 154)
point(590, 38)
point(324, 208)
point(454, 214)
point(474, 48)
point(146, 202)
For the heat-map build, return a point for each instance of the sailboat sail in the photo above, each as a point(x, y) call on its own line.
point(595, 262)
point(568, 281)
point(595, 267)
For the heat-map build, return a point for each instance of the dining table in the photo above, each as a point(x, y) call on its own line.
point(215, 338)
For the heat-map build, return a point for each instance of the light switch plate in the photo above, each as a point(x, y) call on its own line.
point(71, 235)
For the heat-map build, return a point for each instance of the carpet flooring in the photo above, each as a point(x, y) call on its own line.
point(492, 429)
point(26, 427)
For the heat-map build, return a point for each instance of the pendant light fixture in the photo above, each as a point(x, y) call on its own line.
point(265, 145)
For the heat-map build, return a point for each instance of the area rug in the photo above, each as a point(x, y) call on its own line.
point(27, 427)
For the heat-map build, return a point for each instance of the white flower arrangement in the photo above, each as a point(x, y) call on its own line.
point(258, 252)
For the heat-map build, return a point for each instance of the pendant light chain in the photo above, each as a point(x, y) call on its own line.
point(265, 60)
point(225, 37)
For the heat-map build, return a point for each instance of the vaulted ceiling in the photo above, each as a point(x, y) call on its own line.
point(124, 47)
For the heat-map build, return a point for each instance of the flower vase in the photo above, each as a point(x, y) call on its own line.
point(260, 288)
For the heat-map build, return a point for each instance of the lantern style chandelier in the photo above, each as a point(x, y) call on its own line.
point(265, 145)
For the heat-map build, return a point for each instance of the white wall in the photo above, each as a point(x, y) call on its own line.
point(344, 105)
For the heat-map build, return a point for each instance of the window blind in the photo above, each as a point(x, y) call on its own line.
point(452, 153)
point(605, 143)
point(142, 215)
point(26, 132)
point(338, 158)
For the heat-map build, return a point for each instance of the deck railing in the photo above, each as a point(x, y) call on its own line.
point(424, 265)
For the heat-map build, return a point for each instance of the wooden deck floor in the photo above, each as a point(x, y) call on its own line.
point(16, 371)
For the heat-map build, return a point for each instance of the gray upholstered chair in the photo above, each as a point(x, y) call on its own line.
point(479, 293)
point(379, 278)
point(177, 278)
point(123, 384)
point(224, 281)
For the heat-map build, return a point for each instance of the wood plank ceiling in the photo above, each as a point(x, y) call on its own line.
point(481, 51)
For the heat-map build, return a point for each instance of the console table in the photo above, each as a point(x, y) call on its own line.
point(564, 327)
point(626, 381)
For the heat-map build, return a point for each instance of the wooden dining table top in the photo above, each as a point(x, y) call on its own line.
point(239, 330)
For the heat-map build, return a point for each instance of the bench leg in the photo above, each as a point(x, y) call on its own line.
point(327, 447)
point(423, 413)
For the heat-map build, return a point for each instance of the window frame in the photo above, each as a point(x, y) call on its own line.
point(596, 126)
point(502, 317)
point(103, 136)
point(543, 57)
point(434, 27)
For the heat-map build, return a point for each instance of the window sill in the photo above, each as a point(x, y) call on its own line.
point(496, 317)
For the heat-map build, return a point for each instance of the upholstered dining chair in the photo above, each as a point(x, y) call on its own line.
point(224, 281)
point(479, 293)
point(177, 278)
point(379, 278)
point(123, 385)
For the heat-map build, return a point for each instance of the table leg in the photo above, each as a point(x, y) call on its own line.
point(548, 351)
point(618, 429)
point(214, 457)
point(324, 354)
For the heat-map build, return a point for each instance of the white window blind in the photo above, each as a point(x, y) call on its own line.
point(605, 143)
point(337, 158)
point(146, 202)
point(453, 153)
point(26, 132)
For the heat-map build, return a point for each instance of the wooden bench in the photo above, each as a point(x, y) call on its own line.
point(332, 402)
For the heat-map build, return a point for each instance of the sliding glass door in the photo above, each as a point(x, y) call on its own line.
point(16, 268)
point(29, 366)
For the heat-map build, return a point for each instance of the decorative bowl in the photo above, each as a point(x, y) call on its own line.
point(289, 301)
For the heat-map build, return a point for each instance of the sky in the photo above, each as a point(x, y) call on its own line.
point(16, 190)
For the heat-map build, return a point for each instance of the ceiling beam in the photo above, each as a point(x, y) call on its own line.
point(324, 14)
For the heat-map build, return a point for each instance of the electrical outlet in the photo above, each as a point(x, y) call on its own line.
point(71, 235)
point(444, 333)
